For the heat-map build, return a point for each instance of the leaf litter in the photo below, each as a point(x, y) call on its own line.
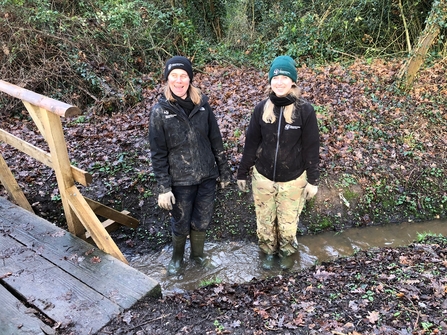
point(371, 292)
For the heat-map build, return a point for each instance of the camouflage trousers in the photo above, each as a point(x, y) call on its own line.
point(278, 206)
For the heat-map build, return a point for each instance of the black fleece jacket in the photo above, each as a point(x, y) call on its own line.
point(282, 152)
point(185, 150)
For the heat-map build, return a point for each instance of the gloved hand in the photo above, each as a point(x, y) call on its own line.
point(242, 184)
point(310, 191)
point(165, 200)
point(224, 184)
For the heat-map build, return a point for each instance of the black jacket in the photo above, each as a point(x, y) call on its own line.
point(185, 150)
point(282, 152)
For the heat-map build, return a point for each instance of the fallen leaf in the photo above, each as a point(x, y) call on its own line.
point(127, 317)
point(88, 252)
point(6, 275)
point(262, 312)
point(373, 316)
point(96, 259)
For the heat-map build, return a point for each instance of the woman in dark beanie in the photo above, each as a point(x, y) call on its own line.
point(187, 158)
point(282, 148)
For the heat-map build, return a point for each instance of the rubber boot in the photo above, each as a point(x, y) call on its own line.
point(176, 262)
point(197, 243)
point(286, 262)
point(267, 263)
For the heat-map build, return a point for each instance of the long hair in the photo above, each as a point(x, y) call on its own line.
point(194, 93)
point(268, 116)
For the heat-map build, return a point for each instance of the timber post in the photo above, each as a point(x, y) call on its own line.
point(80, 212)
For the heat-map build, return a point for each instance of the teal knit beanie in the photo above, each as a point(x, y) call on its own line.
point(283, 66)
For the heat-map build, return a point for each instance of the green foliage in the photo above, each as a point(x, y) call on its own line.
point(418, 200)
point(321, 31)
point(124, 164)
point(324, 120)
point(320, 223)
point(219, 328)
point(209, 282)
point(421, 237)
point(95, 53)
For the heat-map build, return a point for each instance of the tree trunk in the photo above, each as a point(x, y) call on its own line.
point(409, 70)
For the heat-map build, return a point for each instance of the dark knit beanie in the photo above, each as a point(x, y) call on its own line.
point(283, 66)
point(178, 62)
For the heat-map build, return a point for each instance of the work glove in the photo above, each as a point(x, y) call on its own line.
point(242, 184)
point(224, 184)
point(165, 200)
point(310, 191)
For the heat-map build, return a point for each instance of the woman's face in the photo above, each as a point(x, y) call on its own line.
point(281, 85)
point(178, 81)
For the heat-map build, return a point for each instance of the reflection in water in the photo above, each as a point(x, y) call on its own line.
point(239, 262)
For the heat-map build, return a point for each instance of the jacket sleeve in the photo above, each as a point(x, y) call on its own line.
point(311, 146)
point(217, 146)
point(159, 150)
point(253, 138)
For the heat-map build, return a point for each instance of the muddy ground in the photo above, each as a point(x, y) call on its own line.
point(389, 291)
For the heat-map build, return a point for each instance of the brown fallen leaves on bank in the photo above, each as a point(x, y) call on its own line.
point(385, 291)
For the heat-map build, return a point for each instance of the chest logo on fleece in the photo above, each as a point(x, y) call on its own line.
point(168, 115)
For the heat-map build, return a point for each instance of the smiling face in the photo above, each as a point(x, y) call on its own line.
point(281, 85)
point(178, 81)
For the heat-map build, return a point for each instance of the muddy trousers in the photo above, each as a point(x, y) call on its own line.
point(278, 206)
point(191, 215)
point(193, 208)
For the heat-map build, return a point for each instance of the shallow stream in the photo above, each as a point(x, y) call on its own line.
point(239, 262)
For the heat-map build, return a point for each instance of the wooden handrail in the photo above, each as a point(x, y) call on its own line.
point(57, 107)
point(81, 213)
point(81, 176)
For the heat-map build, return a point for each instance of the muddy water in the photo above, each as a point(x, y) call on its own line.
point(239, 262)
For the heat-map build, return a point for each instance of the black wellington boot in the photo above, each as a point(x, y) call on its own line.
point(197, 243)
point(176, 262)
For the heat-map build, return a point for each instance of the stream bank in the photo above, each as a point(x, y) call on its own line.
point(239, 261)
point(381, 291)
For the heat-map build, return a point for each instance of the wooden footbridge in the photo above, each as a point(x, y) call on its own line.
point(50, 278)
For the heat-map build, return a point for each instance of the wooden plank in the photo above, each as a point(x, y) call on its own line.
point(52, 105)
point(112, 214)
point(51, 127)
point(54, 292)
point(112, 278)
point(11, 186)
point(91, 222)
point(35, 112)
point(80, 176)
point(15, 318)
point(109, 225)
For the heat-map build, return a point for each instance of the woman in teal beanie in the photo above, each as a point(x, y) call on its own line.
point(282, 153)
